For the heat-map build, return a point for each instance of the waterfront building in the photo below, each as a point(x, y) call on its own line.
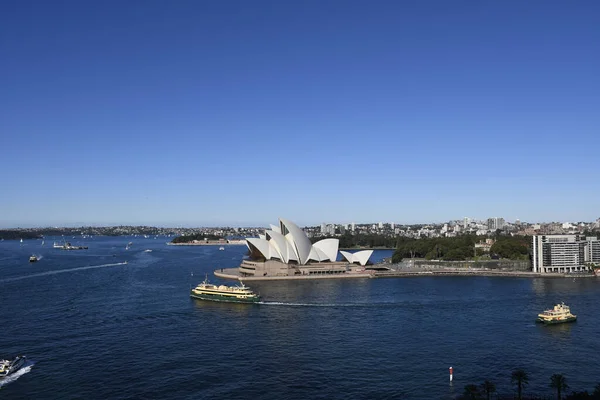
point(286, 250)
point(592, 251)
point(559, 253)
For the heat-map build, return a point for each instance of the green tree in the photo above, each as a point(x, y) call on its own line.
point(488, 388)
point(596, 392)
point(471, 393)
point(580, 396)
point(514, 248)
point(558, 382)
point(520, 378)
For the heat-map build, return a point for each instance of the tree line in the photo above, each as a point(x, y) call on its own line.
point(8, 234)
point(461, 248)
point(520, 378)
point(198, 236)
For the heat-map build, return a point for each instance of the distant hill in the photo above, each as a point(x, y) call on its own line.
point(16, 235)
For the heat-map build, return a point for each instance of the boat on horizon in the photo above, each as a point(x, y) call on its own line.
point(224, 293)
point(560, 314)
point(68, 246)
point(8, 367)
point(221, 248)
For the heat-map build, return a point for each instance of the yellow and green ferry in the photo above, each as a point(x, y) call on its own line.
point(231, 294)
point(560, 314)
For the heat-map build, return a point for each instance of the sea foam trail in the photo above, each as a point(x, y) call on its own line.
point(13, 377)
point(356, 305)
point(60, 271)
point(278, 303)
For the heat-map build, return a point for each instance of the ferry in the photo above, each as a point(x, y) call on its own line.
point(560, 314)
point(232, 294)
point(8, 367)
point(33, 259)
point(68, 246)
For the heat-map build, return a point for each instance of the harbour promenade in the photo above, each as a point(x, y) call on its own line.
point(402, 272)
point(233, 273)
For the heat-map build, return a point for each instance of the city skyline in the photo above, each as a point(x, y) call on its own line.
point(231, 114)
point(348, 225)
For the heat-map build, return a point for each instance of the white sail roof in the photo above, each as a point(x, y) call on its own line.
point(278, 241)
point(329, 247)
point(289, 243)
point(297, 239)
point(361, 257)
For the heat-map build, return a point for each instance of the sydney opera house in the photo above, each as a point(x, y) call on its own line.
point(285, 250)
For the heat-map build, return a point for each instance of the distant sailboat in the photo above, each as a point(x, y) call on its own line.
point(42, 242)
point(21, 240)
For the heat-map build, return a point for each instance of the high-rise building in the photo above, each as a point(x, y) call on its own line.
point(559, 253)
point(381, 225)
point(495, 223)
point(466, 222)
point(392, 226)
point(323, 228)
point(353, 227)
point(592, 251)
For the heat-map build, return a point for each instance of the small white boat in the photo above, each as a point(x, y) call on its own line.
point(221, 248)
point(8, 367)
point(148, 251)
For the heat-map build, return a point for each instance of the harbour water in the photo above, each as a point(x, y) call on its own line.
point(95, 327)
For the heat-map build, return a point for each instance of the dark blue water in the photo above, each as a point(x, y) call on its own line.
point(96, 328)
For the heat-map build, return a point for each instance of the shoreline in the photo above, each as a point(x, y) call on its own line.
point(509, 274)
point(205, 244)
point(233, 273)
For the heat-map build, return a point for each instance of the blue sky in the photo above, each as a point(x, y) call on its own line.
point(203, 113)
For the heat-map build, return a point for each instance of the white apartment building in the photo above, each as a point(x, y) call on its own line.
point(563, 253)
point(592, 250)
